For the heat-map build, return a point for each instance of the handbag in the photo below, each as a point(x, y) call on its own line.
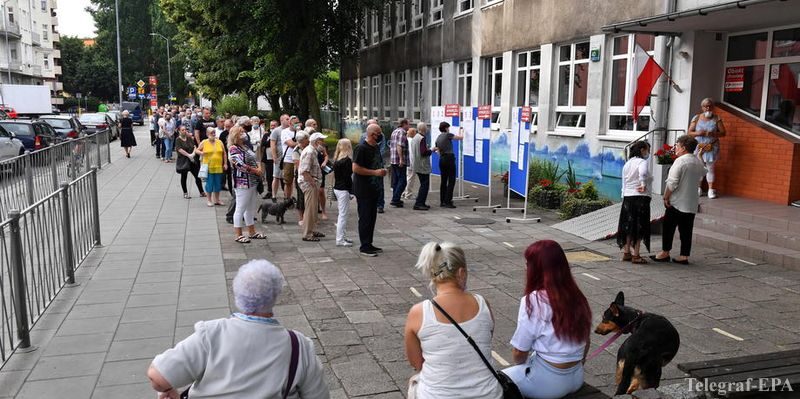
point(203, 174)
point(292, 366)
point(510, 389)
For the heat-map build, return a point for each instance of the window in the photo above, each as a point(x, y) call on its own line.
point(14, 54)
point(490, 2)
point(416, 102)
point(387, 96)
point(46, 62)
point(375, 98)
point(387, 21)
point(762, 71)
point(465, 6)
point(464, 76)
point(44, 5)
point(347, 99)
point(10, 15)
point(437, 6)
point(401, 17)
point(494, 83)
point(573, 76)
point(363, 104)
point(436, 86)
point(416, 14)
point(622, 69)
point(374, 31)
point(44, 32)
point(401, 95)
point(365, 27)
point(528, 68)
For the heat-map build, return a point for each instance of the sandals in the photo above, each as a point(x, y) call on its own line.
point(314, 239)
point(242, 240)
point(258, 236)
point(317, 234)
point(627, 257)
point(203, 195)
point(638, 260)
point(210, 205)
point(220, 203)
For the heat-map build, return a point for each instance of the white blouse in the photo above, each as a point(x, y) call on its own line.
point(635, 174)
point(536, 333)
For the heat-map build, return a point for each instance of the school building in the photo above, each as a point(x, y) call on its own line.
point(572, 62)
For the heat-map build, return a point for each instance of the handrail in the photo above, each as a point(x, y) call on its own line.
point(658, 129)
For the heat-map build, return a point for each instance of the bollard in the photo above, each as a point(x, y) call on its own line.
point(108, 145)
point(97, 146)
point(18, 281)
point(66, 235)
point(95, 208)
point(28, 177)
point(54, 167)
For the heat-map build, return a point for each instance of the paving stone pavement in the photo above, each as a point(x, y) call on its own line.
point(168, 262)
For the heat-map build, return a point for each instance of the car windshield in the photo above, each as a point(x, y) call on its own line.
point(18, 128)
point(93, 119)
point(58, 123)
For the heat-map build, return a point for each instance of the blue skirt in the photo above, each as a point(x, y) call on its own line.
point(214, 182)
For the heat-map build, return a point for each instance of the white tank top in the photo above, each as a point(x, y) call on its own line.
point(452, 368)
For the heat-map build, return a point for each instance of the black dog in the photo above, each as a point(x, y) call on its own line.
point(276, 209)
point(653, 343)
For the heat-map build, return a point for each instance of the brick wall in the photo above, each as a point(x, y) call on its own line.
point(756, 163)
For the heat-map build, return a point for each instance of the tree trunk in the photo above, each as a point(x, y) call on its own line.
point(275, 104)
point(313, 102)
point(302, 102)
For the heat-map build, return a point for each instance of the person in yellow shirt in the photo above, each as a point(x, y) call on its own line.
point(214, 155)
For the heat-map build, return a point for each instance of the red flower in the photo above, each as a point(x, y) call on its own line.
point(673, 156)
point(666, 147)
point(545, 183)
point(578, 183)
point(660, 153)
point(572, 191)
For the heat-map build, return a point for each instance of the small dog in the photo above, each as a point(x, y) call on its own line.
point(653, 343)
point(276, 209)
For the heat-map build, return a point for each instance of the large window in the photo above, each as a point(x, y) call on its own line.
point(528, 68)
point(417, 16)
point(364, 90)
point(347, 99)
point(573, 76)
point(623, 60)
point(374, 30)
point(387, 96)
point(436, 86)
point(387, 21)
point(375, 98)
point(365, 27)
point(762, 72)
point(465, 6)
point(416, 102)
point(402, 102)
point(492, 93)
point(464, 76)
point(401, 17)
point(437, 8)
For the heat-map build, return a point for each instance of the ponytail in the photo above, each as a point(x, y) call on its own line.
point(440, 262)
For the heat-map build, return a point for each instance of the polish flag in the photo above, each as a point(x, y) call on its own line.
point(647, 73)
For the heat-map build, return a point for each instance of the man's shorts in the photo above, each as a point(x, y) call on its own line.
point(277, 173)
point(288, 172)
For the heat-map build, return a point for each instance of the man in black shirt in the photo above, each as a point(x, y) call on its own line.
point(368, 176)
point(201, 125)
point(447, 164)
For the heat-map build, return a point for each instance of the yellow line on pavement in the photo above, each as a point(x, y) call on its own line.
point(500, 359)
point(746, 262)
point(727, 334)
point(415, 292)
point(590, 276)
point(507, 244)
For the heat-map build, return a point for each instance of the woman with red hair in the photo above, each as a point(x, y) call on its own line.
point(554, 322)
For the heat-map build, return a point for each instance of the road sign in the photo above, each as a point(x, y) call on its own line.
point(140, 90)
point(78, 95)
point(131, 90)
point(141, 96)
point(140, 83)
point(153, 80)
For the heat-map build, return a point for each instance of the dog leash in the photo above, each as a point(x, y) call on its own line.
point(612, 339)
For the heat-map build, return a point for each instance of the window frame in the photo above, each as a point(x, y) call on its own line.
point(417, 15)
point(626, 108)
point(436, 78)
point(402, 94)
point(527, 69)
point(562, 111)
point(466, 75)
point(364, 92)
point(400, 12)
point(375, 96)
point(387, 21)
point(489, 86)
point(387, 95)
point(347, 99)
point(767, 62)
point(463, 11)
point(489, 3)
point(417, 101)
point(436, 13)
point(375, 31)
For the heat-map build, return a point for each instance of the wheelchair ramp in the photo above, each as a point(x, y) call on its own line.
point(602, 224)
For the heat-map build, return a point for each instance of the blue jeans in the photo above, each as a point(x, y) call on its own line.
point(399, 182)
point(167, 148)
point(424, 186)
point(538, 379)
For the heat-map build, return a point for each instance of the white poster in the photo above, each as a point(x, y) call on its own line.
point(513, 144)
point(469, 137)
point(484, 133)
point(437, 117)
point(521, 159)
point(479, 151)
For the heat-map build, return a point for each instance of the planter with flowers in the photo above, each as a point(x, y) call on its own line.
point(547, 194)
point(665, 157)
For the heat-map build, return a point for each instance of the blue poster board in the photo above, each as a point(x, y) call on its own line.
point(519, 137)
point(477, 167)
point(437, 116)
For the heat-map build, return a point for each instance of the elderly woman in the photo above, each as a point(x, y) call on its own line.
point(448, 365)
point(214, 155)
point(309, 176)
point(634, 217)
point(707, 127)
point(126, 138)
point(246, 175)
point(247, 355)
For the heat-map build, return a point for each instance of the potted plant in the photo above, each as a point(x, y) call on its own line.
point(666, 155)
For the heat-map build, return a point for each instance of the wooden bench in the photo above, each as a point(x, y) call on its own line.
point(587, 392)
point(784, 366)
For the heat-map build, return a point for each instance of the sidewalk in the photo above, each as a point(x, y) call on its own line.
point(136, 296)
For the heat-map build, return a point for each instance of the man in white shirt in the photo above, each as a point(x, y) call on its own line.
point(276, 147)
point(288, 141)
point(256, 132)
point(681, 200)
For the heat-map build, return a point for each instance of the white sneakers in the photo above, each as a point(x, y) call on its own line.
point(712, 194)
point(699, 191)
point(346, 243)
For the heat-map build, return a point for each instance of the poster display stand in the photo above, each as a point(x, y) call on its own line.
point(519, 159)
point(480, 166)
point(451, 114)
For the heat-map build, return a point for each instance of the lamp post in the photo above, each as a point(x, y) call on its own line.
point(8, 48)
point(169, 69)
point(119, 56)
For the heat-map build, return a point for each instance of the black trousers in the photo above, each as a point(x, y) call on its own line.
point(268, 166)
point(367, 216)
point(197, 181)
point(684, 222)
point(447, 166)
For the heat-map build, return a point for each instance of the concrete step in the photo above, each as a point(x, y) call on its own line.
point(748, 249)
point(767, 234)
point(782, 218)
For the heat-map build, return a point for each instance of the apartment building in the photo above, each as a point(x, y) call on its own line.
point(29, 39)
point(572, 62)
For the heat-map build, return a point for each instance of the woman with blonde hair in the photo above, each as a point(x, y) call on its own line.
point(448, 364)
point(343, 188)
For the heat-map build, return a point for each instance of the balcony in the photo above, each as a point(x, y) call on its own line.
point(36, 39)
point(36, 70)
point(58, 86)
point(56, 53)
point(57, 69)
point(56, 37)
point(54, 20)
point(56, 100)
point(16, 66)
point(11, 29)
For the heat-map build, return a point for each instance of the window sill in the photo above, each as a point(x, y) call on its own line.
point(567, 133)
point(491, 4)
point(435, 23)
point(463, 14)
point(621, 137)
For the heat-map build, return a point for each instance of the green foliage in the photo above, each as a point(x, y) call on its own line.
point(588, 191)
point(571, 178)
point(551, 171)
point(236, 104)
point(535, 172)
point(327, 88)
point(574, 206)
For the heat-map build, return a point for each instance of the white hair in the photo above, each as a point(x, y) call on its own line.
point(255, 120)
point(302, 135)
point(422, 126)
point(440, 262)
point(243, 120)
point(125, 113)
point(256, 286)
point(310, 130)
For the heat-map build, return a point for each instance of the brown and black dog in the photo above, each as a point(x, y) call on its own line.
point(653, 343)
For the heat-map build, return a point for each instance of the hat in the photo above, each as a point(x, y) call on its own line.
point(317, 136)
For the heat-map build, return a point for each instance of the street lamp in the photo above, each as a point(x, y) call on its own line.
point(169, 70)
point(119, 56)
point(8, 48)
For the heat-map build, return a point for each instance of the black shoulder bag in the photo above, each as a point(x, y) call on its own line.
point(510, 389)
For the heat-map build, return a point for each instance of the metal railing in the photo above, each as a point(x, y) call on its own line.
point(27, 178)
point(40, 248)
point(650, 136)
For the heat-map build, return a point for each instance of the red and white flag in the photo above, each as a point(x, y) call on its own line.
point(646, 72)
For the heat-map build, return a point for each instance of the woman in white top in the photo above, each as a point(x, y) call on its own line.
point(634, 217)
point(448, 365)
point(554, 322)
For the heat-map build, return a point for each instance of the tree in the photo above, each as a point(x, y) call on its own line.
point(72, 54)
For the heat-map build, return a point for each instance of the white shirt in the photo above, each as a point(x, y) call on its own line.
point(286, 134)
point(684, 177)
point(536, 333)
point(635, 174)
point(166, 129)
point(255, 136)
point(235, 358)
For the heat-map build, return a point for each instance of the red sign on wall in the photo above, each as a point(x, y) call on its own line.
point(154, 103)
point(451, 110)
point(734, 79)
point(153, 80)
point(485, 112)
point(525, 115)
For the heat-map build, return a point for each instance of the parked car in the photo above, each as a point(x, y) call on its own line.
point(135, 110)
point(34, 135)
point(116, 117)
point(96, 123)
point(9, 111)
point(3, 115)
point(10, 146)
point(55, 111)
point(67, 127)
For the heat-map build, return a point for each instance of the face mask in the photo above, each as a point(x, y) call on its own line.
point(708, 114)
point(296, 126)
point(379, 139)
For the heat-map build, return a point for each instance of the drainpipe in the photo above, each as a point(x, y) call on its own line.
point(662, 99)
